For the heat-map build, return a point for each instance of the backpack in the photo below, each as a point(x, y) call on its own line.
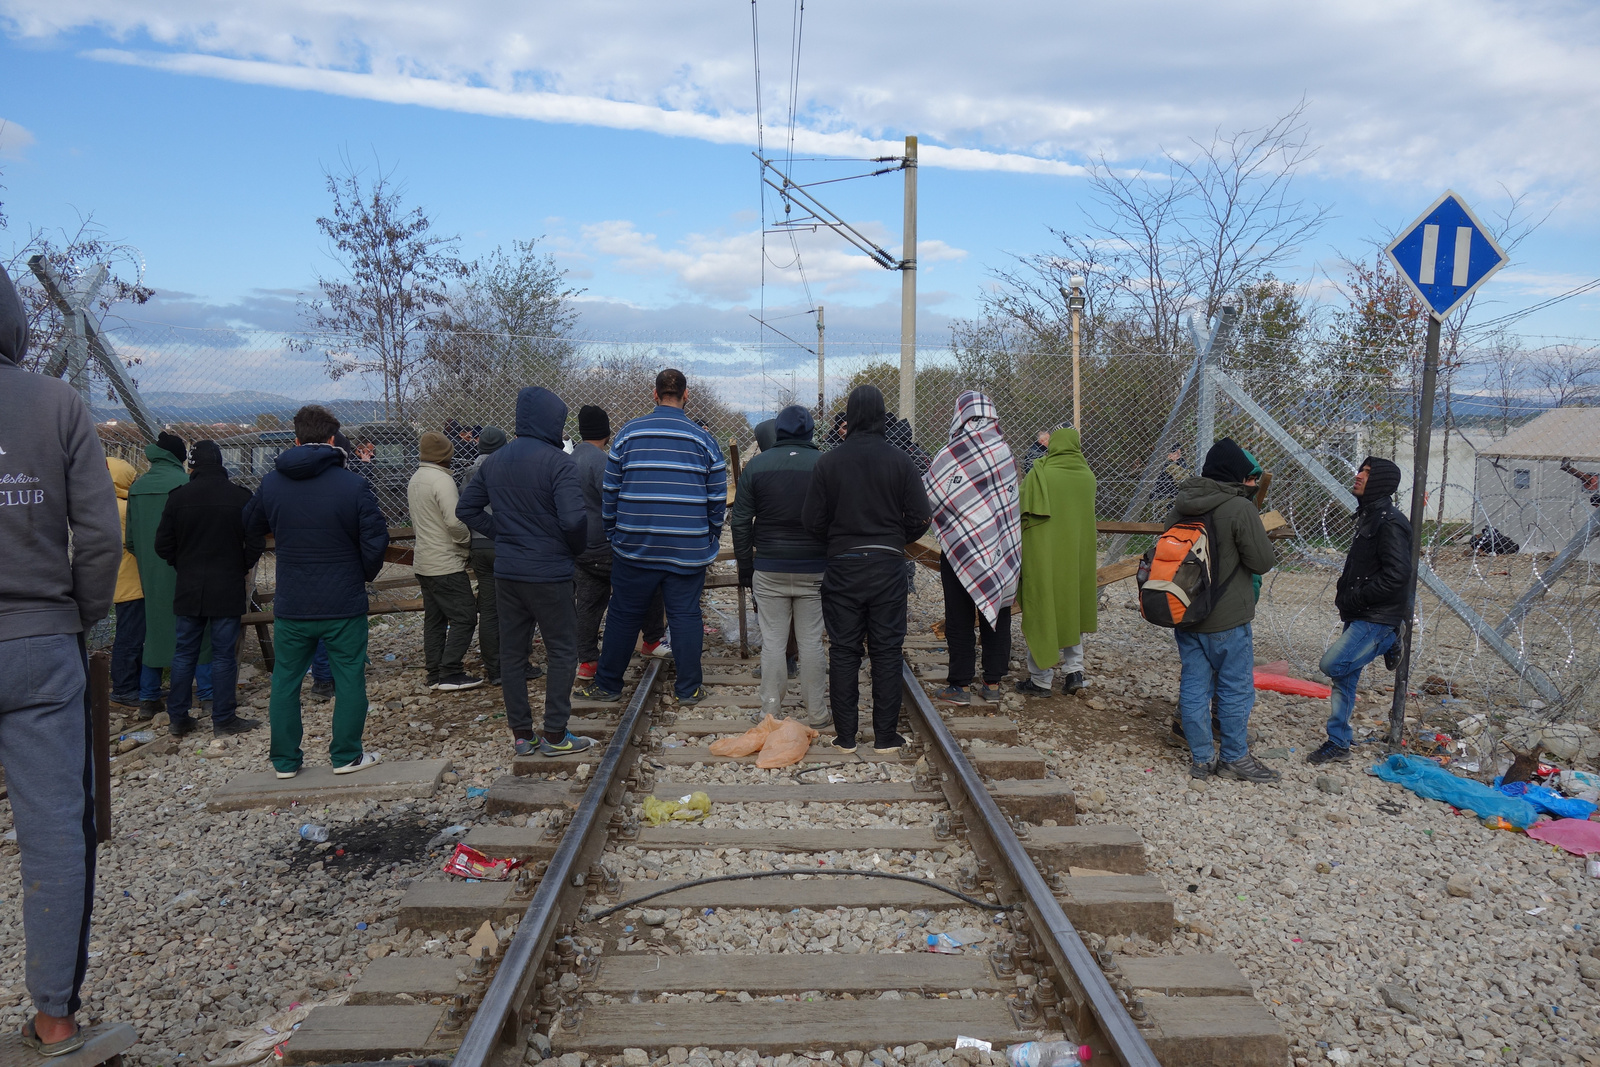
point(1177, 577)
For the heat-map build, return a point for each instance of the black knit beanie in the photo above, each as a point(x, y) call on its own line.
point(174, 444)
point(1383, 477)
point(206, 454)
point(1227, 462)
point(593, 423)
point(491, 439)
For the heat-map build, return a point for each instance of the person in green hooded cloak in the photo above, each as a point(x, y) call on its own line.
point(1058, 596)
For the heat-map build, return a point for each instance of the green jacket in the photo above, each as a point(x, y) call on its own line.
point(1242, 545)
point(146, 499)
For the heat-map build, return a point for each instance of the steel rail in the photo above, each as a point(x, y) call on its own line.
point(1067, 950)
point(511, 988)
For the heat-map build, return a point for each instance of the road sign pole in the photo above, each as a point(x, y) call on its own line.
point(1419, 493)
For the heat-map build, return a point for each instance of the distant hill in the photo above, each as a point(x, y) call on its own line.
point(241, 406)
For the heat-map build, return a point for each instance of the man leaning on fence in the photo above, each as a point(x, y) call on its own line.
point(443, 546)
point(202, 536)
point(665, 495)
point(331, 537)
point(58, 522)
point(1218, 654)
point(526, 497)
point(1371, 599)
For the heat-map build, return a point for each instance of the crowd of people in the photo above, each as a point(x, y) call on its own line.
point(621, 528)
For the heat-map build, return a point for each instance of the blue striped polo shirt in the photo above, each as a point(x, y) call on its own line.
point(665, 492)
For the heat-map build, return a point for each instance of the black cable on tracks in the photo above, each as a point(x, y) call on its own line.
point(787, 871)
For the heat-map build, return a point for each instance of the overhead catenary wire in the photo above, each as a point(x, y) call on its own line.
point(1587, 287)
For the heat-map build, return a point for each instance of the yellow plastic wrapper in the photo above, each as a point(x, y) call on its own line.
point(696, 805)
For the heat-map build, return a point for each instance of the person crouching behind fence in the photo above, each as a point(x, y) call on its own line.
point(202, 536)
point(782, 563)
point(972, 488)
point(539, 526)
point(331, 537)
point(1218, 654)
point(1371, 599)
point(443, 547)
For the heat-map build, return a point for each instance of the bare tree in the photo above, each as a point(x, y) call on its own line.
point(394, 284)
point(1506, 363)
point(1568, 374)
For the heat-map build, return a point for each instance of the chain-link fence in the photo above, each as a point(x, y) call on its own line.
point(1508, 618)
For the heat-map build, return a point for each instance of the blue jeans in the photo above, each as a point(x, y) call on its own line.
point(221, 675)
point(321, 669)
point(127, 649)
point(44, 746)
point(1221, 665)
point(150, 682)
point(632, 586)
point(1360, 644)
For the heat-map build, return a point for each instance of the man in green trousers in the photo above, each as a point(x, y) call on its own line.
point(330, 542)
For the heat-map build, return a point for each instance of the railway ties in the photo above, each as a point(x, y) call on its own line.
point(1007, 832)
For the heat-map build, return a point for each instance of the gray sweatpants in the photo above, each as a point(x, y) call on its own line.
point(780, 597)
point(45, 748)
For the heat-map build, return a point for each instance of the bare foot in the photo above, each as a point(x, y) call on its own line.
point(52, 1028)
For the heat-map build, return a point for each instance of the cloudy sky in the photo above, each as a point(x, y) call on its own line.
point(622, 132)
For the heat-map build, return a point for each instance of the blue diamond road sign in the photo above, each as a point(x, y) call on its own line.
point(1446, 254)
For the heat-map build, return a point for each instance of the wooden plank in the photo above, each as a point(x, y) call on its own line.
point(401, 780)
point(347, 1033)
point(387, 978)
point(1196, 974)
point(790, 1026)
point(995, 762)
point(816, 894)
point(794, 972)
point(1123, 904)
point(439, 906)
point(1112, 573)
point(1205, 1031)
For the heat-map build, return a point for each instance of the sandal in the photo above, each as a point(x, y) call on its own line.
point(72, 1043)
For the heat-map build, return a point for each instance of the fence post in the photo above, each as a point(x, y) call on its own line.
point(1210, 365)
point(1543, 582)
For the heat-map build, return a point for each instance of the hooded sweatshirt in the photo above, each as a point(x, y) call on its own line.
point(331, 534)
point(54, 485)
point(866, 495)
point(122, 476)
point(1373, 585)
point(1242, 544)
point(526, 496)
point(767, 533)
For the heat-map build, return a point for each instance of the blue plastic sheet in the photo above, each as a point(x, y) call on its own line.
point(1427, 779)
point(1547, 800)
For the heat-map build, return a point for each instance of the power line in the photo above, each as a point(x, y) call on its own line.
point(1554, 300)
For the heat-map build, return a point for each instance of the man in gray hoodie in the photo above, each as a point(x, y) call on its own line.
point(55, 491)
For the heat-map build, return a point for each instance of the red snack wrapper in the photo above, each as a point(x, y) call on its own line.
point(467, 862)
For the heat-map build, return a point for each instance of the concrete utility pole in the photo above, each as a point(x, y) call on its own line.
point(1075, 304)
point(821, 388)
point(908, 292)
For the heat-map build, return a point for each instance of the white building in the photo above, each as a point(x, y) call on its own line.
point(1524, 493)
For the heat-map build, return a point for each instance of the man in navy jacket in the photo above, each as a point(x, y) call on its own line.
point(330, 542)
point(527, 498)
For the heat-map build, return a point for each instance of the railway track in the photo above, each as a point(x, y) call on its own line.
point(795, 918)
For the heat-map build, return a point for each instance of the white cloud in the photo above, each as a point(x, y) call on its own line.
point(14, 138)
point(1460, 92)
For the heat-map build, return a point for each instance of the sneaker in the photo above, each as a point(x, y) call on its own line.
point(205, 707)
point(457, 682)
point(322, 690)
point(592, 691)
point(236, 725)
point(287, 774)
point(569, 746)
point(1391, 658)
point(586, 671)
point(1072, 683)
point(953, 694)
point(523, 746)
point(1176, 737)
point(149, 709)
point(756, 715)
point(839, 744)
point(1028, 689)
point(1329, 753)
point(367, 759)
point(1202, 770)
point(820, 721)
point(180, 727)
point(534, 671)
point(126, 701)
point(1247, 769)
point(433, 683)
point(985, 693)
point(693, 698)
point(661, 649)
point(494, 683)
point(895, 749)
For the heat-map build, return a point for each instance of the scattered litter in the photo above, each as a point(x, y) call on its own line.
point(1428, 779)
point(361, 926)
point(1580, 784)
point(786, 745)
point(141, 736)
point(952, 942)
point(255, 1043)
point(389, 656)
point(973, 1042)
point(1547, 800)
point(696, 805)
point(835, 779)
point(1048, 1054)
point(1577, 836)
point(186, 895)
point(475, 791)
point(1268, 678)
point(747, 743)
point(484, 943)
point(312, 832)
point(1536, 911)
point(466, 862)
point(448, 834)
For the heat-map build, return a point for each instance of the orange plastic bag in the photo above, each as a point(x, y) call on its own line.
point(1295, 687)
point(785, 745)
point(747, 743)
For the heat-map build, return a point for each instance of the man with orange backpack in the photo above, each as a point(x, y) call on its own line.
point(1217, 650)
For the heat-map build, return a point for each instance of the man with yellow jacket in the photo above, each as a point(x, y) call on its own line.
point(128, 648)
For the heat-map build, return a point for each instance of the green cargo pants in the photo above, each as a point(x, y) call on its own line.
point(296, 643)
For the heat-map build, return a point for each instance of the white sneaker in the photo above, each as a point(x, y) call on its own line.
point(367, 759)
point(663, 649)
point(288, 774)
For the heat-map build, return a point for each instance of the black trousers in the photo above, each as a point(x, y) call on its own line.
point(449, 615)
point(482, 560)
point(547, 605)
point(592, 591)
point(959, 614)
point(864, 598)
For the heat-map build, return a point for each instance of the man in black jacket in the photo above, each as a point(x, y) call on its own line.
point(866, 503)
point(1371, 599)
point(331, 536)
point(782, 562)
point(202, 536)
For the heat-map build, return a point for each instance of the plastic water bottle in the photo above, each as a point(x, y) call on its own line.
point(312, 832)
point(1594, 866)
point(1048, 1054)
